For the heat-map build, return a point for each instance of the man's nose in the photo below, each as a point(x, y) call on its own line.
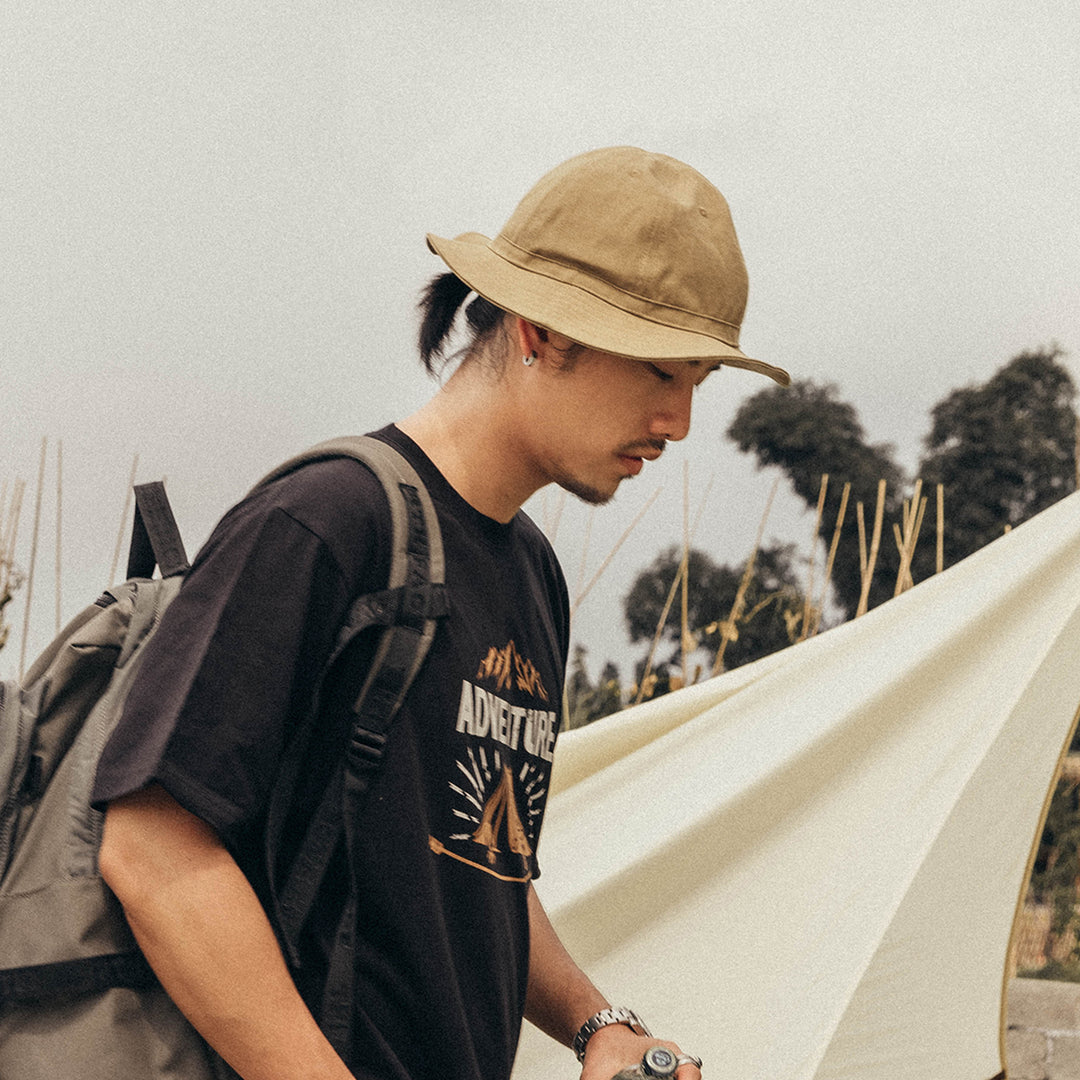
point(672, 420)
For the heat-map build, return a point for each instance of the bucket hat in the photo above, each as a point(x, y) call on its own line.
point(621, 250)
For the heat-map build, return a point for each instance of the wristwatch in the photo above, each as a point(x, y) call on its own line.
point(602, 1019)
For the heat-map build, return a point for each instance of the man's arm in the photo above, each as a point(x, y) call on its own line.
point(561, 998)
point(206, 936)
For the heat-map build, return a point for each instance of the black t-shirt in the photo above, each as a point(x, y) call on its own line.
point(451, 824)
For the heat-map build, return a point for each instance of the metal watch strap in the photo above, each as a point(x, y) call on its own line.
point(602, 1019)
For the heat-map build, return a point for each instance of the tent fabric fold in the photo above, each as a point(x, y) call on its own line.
point(808, 868)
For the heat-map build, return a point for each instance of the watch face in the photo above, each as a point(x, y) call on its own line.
point(658, 1061)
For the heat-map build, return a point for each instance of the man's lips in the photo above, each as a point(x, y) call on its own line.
point(635, 457)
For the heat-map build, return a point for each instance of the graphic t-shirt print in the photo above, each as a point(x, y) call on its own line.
point(505, 739)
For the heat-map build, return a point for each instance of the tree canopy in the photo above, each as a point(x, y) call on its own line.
point(1003, 451)
point(760, 629)
point(808, 431)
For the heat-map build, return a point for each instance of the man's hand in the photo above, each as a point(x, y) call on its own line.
point(615, 1048)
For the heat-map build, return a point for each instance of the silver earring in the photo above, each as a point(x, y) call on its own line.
point(529, 360)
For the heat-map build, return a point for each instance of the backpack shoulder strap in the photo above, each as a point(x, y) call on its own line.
point(407, 610)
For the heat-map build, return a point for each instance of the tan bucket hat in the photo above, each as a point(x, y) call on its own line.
point(621, 250)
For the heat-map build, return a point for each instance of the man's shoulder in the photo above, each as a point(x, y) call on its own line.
point(338, 502)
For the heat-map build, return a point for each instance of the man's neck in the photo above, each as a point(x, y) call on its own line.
point(467, 433)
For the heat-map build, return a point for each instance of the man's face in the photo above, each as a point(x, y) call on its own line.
point(603, 417)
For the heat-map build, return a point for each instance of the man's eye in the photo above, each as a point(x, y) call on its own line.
point(663, 376)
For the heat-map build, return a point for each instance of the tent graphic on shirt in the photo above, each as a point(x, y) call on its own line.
point(503, 804)
point(499, 834)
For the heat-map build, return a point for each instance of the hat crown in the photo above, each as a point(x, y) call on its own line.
point(640, 229)
point(621, 250)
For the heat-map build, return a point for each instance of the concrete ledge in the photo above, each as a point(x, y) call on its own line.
point(1042, 1041)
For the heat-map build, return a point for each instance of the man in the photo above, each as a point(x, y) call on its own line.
point(610, 295)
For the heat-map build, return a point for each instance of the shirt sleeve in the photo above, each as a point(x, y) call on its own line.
point(232, 669)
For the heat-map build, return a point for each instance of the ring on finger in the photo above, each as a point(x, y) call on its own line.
point(687, 1059)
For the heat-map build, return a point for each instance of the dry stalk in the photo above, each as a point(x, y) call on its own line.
point(868, 563)
point(9, 527)
point(940, 560)
point(832, 556)
point(124, 519)
point(611, 554)
point(33, 558)
point(908, 538)
point(808, 603)
point(585, 549)
point(685, 613)
point(646, 674)
point(728, 629)
point(680, 576)
point(59, 523)
point(9, 532)
point(862, 540)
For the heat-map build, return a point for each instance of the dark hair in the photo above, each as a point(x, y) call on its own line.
point(439, 304)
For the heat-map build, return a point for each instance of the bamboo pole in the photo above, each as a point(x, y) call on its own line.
point(859, 518)
point(832, 555)
point(939, 562)
point(908, 537)
point(808, 602)
point(556, 515)
point(728, 628)
point(611, 554)
point(679, 575)
point(647, 670)
point(33, 559)
point(11, 531)
point(875, 545)
point(59, 524)
point(124, 520)
point(3, 529)
point(585, 549)
point(685, 612)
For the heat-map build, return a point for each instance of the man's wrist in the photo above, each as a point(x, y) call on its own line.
point(604, 1018)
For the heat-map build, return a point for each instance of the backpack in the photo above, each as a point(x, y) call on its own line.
point(77, 998)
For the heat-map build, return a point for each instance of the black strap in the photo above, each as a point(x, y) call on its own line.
point(155, 538)
point(407, 610)
point(373, 713)
point(71, 978)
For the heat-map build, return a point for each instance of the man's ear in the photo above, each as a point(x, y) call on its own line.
point(530, 337)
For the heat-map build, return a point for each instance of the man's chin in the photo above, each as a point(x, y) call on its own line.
point(587, 493)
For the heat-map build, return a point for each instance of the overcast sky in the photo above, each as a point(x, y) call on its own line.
point(212, 223)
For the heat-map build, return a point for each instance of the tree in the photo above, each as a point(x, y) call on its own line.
point(587, 702)
point(762, 629)
point(1003, 451)
point(807, 431)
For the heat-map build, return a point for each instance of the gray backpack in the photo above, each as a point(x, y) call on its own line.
point(77, 999)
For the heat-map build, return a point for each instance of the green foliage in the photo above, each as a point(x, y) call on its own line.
point(1057, 866)
point(807, 431)
point(586, 701)
point(1055, 879)
point(1003, 451)
point(763, 628)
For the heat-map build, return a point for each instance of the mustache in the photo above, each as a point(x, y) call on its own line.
point(636, 449)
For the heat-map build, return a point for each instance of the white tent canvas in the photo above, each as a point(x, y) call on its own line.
point(808, 868)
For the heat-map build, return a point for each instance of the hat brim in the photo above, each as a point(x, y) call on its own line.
point(579, 314)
